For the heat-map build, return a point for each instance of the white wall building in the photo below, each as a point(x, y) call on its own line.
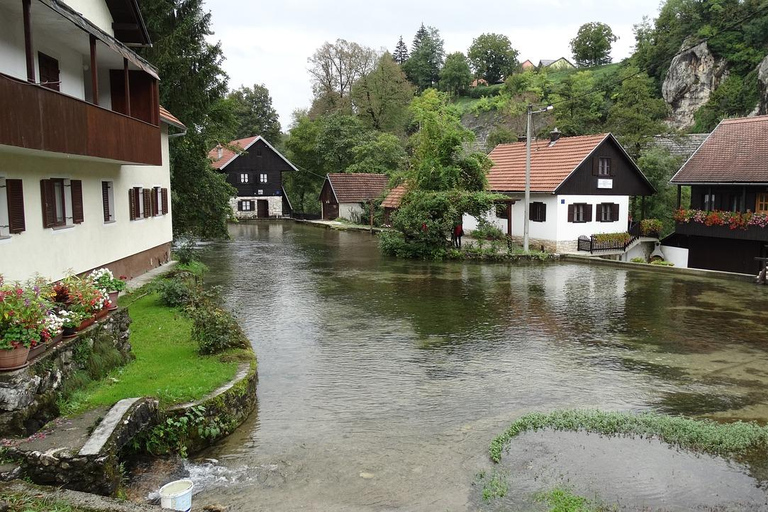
point(84, 173)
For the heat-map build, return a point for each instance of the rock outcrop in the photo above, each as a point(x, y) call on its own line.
point(693, 76)
point(762, 84)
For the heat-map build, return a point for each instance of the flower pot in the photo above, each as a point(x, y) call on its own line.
point(14, 358)
point(86, 323)
point(102, 314)
point(113, 299)
point(56, 339)
point(69, 332)
point(36, 350)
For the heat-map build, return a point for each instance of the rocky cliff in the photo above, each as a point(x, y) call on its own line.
point(762, 84)
point(692, 77)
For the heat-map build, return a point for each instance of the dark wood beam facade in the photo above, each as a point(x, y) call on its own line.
point(94, 71)
point(127, 87)
point(30, 56)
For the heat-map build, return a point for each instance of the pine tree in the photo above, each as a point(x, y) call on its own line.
point(401, 52)
point(423, 66)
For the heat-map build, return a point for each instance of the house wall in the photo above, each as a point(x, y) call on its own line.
point(96, 12)
point(329, 206)
point(269, 163)
point(70, 62)
point(572, 230)
point(676, 255)
point(351, 211)
point(744, 196)
point(275, 207)
point(724, 254)
point(130, 246)
point(12, 60)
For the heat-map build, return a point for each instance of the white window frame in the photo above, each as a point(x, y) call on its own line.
point(580, 213)
point(603, 166)
point(245, 206)
point(244, 178)
point(158, 190)
point(262, 178)
point(5, 221)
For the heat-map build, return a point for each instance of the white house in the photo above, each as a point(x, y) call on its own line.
point(84, 174)
point(343, 194)
point(580, 186)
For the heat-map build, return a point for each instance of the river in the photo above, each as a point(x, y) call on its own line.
point(382, 381)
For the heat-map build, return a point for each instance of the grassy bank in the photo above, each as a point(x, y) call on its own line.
point(701, 435)
point(167, 365)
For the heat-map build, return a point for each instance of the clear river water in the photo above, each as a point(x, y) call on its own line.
point(382, 381)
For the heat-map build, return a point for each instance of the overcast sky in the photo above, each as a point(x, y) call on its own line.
point(269, 42)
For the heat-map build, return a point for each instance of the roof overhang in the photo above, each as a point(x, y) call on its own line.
point(254, 141)
point(128, 24)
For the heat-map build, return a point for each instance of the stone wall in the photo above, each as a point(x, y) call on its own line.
point(28, 396)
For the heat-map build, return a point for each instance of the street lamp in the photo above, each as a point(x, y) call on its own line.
point(526, 219)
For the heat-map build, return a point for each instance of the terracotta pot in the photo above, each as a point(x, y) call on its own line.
point(69, 332)
point(14, 358)
point(36, 350)
point(102, 314)
point(56, 339)
point(113, 299)
point(86, 323)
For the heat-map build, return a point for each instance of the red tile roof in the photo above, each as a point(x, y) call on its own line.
point(227, 155)
point(735, 152)
point(394, 197)
point(355, 188)
point(170, 118)
point(550, 164)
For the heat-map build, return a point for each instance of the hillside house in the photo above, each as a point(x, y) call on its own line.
point(555, 64)
point(527, 65)
point(343, 194)
point(580, 186)
point(725, 227)
point(84, 173)
point(255, 169)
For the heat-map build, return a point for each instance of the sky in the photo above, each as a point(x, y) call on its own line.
point(269, 42)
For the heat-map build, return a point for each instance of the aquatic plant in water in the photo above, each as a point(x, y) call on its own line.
point(702, 435)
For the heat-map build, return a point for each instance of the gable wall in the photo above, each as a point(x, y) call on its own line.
point(625, 179)
point(269, 162)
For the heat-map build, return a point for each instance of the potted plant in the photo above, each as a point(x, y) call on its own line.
point(23, 314)
point(106, 281)
point(70, 322)
point(651, 227)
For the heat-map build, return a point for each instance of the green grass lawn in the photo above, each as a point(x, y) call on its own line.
point(167, 365)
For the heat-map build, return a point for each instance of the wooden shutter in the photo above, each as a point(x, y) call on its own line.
point(543, 212)
point(133, 205)
point(253, 205)
point(610, 167)
point(49, 203)
point(614, 212)
point(571, 208)
point(595, 166)
point(105, 199)
point(587, 213)
point(239, 206)
point(164, 193)
point(76, 187)
point(147, 198)
point(15, 194)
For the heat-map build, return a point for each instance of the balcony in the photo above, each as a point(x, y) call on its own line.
point(697, 229)
point(36, 118)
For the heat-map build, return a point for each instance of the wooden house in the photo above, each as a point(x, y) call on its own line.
point(725, 227)
point(255, 169)
point(84, 172)
point(392, 202)
point(343, 194)
point(580, 186)
point(527, 65)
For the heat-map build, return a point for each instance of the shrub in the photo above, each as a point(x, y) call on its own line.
point(215, 330)
point(177, 291)
point(651, 227)
point(487, 231)
point(662, 263)
point(638, 260)
point(184, 250)
point(612, 238)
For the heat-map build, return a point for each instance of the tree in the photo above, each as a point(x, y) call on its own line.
point(423, 66)
point(193, 86)
point(636, 115)
point(382, 96)
point(580, 105)
point(659, 166)
point(592, 44)
point(383, 154)
point(335, 67)
point(492, 57)
point(255, 114)
point(401, 52)
point(455, 77)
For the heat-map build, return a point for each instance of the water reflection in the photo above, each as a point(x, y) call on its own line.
point(367, 361)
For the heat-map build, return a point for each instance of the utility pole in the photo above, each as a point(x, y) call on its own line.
point(527, 215)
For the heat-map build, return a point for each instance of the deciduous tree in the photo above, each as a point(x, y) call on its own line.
point(592, 44)
point(492, 57)
point(381, 97)
point(335, 67)
point(254, 113)
point(455, 77)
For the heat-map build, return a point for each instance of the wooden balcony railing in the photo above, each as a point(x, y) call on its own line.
point(35, 117)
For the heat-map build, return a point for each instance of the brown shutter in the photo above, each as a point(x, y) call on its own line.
point(105, 199)
point(132, 203)
point(165, 200)
point(610, 167)
point(253, 206)
point(587, 213)
point(543, 212)
point(239, 206)
point(15, 193)
point(614, 212)
point(48, 202)
point(147, 198)
point(155, 201)
point(571, 208)
point(595, 165)
point(76, 186)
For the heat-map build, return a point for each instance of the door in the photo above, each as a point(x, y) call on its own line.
point(330, 210)
point(49, 71)
point(263, 208)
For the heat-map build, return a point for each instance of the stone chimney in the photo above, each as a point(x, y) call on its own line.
point(554, 135)
point(522, 138)
point(219, 152)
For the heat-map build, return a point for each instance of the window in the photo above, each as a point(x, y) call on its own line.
point(607, 212)
point(604, 167)
point(147, 202)
point(262, 178)
point(538, 212)
point(108, 200)
point(258, 152)
point(761, 205)
point(49, 71)
point(11, 207)
point(245, 206)
point(735, 202)
point(62, 201)
point(157, 201)
point(708, 201)
point(579, 212)
point(136, 203)
point(244, 178)
point(260, 192)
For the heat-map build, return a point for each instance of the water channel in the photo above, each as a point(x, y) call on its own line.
point(382, 381)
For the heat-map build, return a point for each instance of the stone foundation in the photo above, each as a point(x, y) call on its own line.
point(275, 207)
point(28, 396)
point(139, 263)
point(536, 244)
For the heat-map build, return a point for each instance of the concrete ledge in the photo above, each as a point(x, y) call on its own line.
point(82, 500)
point(717, 274)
